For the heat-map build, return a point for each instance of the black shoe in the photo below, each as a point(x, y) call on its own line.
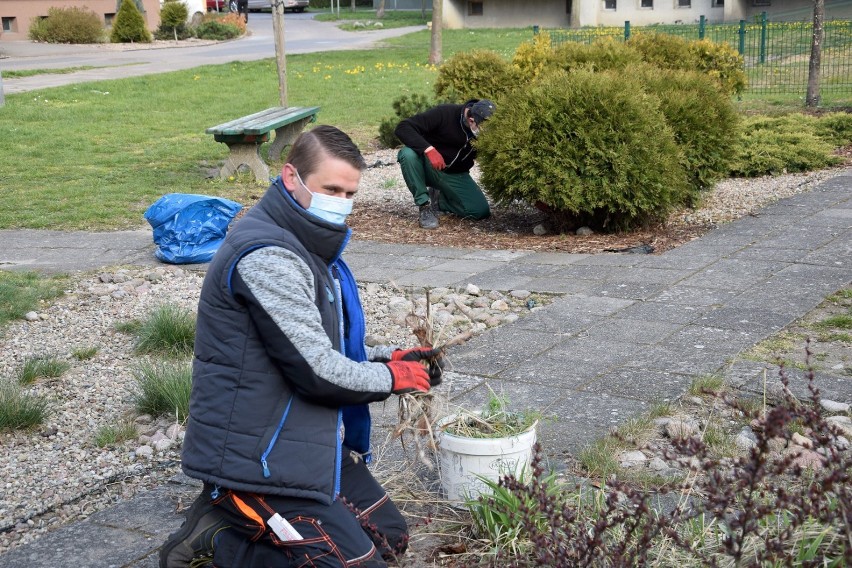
point(427, 217)
point(433, 199)
point(193, 542)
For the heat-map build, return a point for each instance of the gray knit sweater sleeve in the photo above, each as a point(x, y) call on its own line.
point(282, 284)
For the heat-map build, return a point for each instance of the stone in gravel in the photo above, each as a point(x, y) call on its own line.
point(658, 464)
point(841, 443)
point(473, 290)
point(679, 429)
point(584, 232)
point(833, 406)
point(144, 452)
point(632, 458)
point(803, 441)
point(809, 459)
point(844, 423)
point(144, 419)
point(31, 316)
point(540, 230)
point(746, 439)
point(500, 305)
point(162, 445)
point(173, 431)
point(520, 294)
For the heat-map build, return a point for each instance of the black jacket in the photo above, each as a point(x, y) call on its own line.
point(445, 128)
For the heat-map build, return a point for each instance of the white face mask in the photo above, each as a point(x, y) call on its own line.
point(327, 207)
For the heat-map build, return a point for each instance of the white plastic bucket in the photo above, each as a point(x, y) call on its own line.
point(462, 461)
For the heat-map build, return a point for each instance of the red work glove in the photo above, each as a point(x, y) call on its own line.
point(435, 158)
point(416, 354)
point(408, 376)
point(431, 356)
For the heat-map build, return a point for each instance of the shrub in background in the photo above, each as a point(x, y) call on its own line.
point(403, 107)
point(781, 144)
point(704, 120)
point(68, 25)
point(722, 62)
point(230, 19)
point(217, 29)
point(475, 74)
point(531, 57)
point(129, 25)
point(588, 148)
point(173, 16)
point(602, 55)
point(835, 128)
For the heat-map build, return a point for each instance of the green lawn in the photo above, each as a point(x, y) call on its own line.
point(96, 155)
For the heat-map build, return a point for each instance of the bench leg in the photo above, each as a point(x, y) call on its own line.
point(242, 154)
point(286, 135)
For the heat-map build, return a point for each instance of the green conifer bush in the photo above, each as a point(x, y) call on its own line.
point(68, 25)
point(588, 148)
point(129, 25)
point(404, 106)
point(704, 120)
point(173, 17)
point(475, 74)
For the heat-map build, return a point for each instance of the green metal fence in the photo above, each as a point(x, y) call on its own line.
point(775, 54)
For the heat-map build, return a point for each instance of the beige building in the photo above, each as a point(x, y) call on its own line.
point(459, 14)
point(16, 15)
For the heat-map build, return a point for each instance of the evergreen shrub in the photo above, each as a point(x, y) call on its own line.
point(173, 17)
point(781, 144)
point(705, 122)
point(601, 55)
point(531, 57)
point(216, 29)
point(129, 25)
point(475, 74)
point(835, 128)
point(717, 60)
point(587, 148)
point(404, 106)
point(67, 25)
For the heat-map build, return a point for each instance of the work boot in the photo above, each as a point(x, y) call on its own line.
point(194, 540)
point(427, 217)
point(433, 199)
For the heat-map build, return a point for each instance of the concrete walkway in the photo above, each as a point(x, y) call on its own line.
point(626, 331)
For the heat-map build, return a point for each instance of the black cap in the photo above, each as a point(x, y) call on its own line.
point(482, 110)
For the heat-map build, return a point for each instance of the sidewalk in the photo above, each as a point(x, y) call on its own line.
point(628, 330)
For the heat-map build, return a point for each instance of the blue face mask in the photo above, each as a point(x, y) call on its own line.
point(327, 207)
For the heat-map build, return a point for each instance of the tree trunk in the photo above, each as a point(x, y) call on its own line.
point(435, 56)
point(353, 5)
point(380, 13)
point(812, 98)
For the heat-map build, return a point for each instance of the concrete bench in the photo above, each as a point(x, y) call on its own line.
point(244, 137)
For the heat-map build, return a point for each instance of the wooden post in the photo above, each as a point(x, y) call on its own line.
point(2, 95)
point(280, 56)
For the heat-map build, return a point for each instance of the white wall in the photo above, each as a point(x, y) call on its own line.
point(507, 13)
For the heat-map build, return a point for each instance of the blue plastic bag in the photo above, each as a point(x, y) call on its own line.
point(189, 228)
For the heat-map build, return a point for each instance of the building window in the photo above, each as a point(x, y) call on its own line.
point(9, 24)
point(684, 3)
point(109, 18)
point(609, 4)
point(718, 3)
point(646, 3)
point(474, 8)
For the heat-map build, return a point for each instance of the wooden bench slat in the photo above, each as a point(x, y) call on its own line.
point(263, 121)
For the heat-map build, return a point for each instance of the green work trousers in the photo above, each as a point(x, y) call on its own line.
point(459, 194)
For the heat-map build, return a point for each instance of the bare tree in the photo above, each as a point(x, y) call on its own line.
point(812, 98)
point(435, 56)
point(380, 13)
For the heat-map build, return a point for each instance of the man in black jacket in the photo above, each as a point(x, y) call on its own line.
point(437, 157)
point(280, 368)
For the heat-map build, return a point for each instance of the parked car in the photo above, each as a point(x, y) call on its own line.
point(254, 5)
point(295, 5)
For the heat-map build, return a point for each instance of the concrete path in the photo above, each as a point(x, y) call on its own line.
point(626, 331)
point(303, 34)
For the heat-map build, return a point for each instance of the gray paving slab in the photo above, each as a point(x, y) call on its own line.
point(648, 385)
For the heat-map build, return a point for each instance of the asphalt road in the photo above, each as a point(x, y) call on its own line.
point(302, 34)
